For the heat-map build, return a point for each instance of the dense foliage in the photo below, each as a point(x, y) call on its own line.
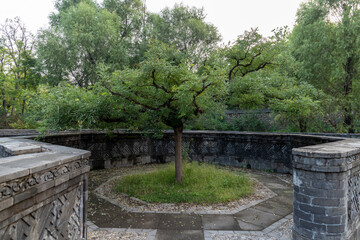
point(326, 49)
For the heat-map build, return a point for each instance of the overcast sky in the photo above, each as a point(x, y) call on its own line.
point(231, 17)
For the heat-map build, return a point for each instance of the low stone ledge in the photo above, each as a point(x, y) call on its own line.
point(40, 182)
point(18, 148)
point(339, 149)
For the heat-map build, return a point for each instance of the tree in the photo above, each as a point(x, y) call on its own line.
point(296, 102)
point(61, 6)
point(326, 46)
point(261, 75)
point(131, 15)
point(246, 59)
point(165, 88)
point(71, 107)
point(84, 37)
point(18, 70)
point(185, 28)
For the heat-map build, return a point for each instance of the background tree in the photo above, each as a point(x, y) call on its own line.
point(70, 107)
point(185, 28)
point(296, 103)
point(18, 70)
point(326, 46)
point(131, 15)
point(61, 6)
point(261, 75)
point(247, 58)
point(165, 88)
point(86, 35)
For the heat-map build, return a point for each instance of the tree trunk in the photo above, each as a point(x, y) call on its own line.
point(13, 105)
point(23, 107)
point(348, 119)
point(302, 125)
point(12, 110)
point(178, 152)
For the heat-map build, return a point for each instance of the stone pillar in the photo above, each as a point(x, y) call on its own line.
point(327, 191)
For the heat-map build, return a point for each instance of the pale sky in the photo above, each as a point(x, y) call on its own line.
point(231, 17)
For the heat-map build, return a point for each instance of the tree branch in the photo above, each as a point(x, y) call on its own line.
point(135, 101)
point(233, 68)
point(238, 64)
point(198, 109)
point(261, 66)
point(155, 84)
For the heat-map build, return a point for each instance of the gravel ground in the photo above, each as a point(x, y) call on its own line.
point(115, 235)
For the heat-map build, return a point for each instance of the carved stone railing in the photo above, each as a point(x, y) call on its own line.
point(264, 151)
point(43, 190)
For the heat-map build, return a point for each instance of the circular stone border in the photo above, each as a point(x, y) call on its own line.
point(132, 204)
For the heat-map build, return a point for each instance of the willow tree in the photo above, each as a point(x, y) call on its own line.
point(18, 70)
point(185, 27)
point(83, 36)
point(164, 86)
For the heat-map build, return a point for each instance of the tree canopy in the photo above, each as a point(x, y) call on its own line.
point(84, 37)
point(185, 28)
point(164, 87)
point(18, 68)
point(326, 46)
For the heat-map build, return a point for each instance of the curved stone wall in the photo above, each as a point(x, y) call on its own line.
point(264, 151)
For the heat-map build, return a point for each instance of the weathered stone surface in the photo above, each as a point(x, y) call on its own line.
point(264, 151)
point(326, 190)
point(61, 219)
point(326, 171)
point(43, 190)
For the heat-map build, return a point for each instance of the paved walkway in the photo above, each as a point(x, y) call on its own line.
point(259, 220)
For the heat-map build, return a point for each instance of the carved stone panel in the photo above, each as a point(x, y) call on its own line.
point(353, 197)
point(11, 188)
point(61, 219)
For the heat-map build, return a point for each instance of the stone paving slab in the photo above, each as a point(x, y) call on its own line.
point(137, 220)
point(220, 222)
point(179, 235)
point(246, 226)
point(180, 222)
point(257, 217)
point(275, 206)
point(286, 198)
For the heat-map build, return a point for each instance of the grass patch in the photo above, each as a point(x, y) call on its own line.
point(202, 183)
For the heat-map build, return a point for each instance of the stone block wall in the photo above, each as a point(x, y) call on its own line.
point(264, 151)
point(43, 190)
point(327, 191)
